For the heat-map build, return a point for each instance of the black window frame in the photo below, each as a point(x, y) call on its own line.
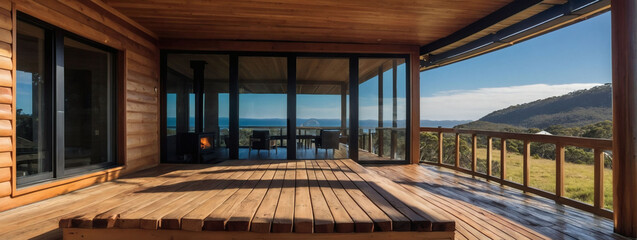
point(54, 77)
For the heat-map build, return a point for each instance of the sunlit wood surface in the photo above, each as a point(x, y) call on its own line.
point(492, 211)
point(321, 196)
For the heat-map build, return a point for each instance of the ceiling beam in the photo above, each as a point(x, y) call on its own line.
point(499, 15)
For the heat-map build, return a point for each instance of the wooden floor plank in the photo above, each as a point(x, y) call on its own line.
point(262, 220)
point(152, 220)
point(284, 214)
point(382, 222)
point(343, 222)
point(403, 218)
point(194, 220)
point(530, 216)
point(362, 222)
point(323, 219)
point(242, 217)
point(303, 215)
point(127, 201)
point(438, 221)
point(172, 220)
point(217, 219)
point(46, 209)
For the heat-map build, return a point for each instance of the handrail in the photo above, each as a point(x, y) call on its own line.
point(598, 146)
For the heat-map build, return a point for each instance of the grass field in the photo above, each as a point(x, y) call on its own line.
point(578, 178)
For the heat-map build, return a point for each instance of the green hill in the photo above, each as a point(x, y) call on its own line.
point(578, 108)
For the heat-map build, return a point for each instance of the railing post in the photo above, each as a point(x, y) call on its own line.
point(559, 170)
point(624, 60)
point(503, 157)
point(525, 164)
point(598, 201)
point(440, 148)
point(457, 164)
point(474, 155)
point(489, 149)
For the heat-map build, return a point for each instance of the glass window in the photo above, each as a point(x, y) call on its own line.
point(87, 74)
point(382, 109)
point(322, 90)
point(33, 106)
point(263, 107)
point(181, 107)
point(73, 107)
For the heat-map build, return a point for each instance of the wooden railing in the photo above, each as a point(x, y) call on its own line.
point(597, 145)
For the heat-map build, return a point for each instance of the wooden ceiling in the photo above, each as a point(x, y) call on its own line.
point(413, 22)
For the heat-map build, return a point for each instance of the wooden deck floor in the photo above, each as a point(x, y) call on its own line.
point(484, 210)
point(336, 196)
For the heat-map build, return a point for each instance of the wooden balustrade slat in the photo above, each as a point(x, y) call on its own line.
point(474, 154)
point(489, 153)
point(559, 170)
point(457, 164)
point(526, 157)
point(503, 157)
point(440, 147)
point(598, 200)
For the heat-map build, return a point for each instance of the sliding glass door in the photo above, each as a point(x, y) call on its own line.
point(263, 107)
point(196, 108)
point(322, 93)
point(382, 101)
point(286, 106)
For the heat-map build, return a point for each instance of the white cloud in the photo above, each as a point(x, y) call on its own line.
point(474, 104)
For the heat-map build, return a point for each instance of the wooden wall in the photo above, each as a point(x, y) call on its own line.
point(138, 98)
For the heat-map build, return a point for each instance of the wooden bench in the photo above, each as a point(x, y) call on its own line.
point(287, 199)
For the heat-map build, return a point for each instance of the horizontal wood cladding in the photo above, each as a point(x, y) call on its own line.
point(7, 89)
point(138, 80)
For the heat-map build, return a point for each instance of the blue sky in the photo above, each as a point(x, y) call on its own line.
point(575, 57)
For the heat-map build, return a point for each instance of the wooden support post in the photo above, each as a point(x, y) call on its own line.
point(624, 55)
point(525, 163)
point(559, 170)
point(457, 162)
point(474, 152)
point(440, 147)
point(598, 201)
point(489, 150)
point(503, 158)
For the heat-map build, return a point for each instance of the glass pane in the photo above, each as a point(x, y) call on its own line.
point(263, 107)
point(382, 113)
point(33, 121)
point(321, 108)
point(183, 143)
point(87, 78)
